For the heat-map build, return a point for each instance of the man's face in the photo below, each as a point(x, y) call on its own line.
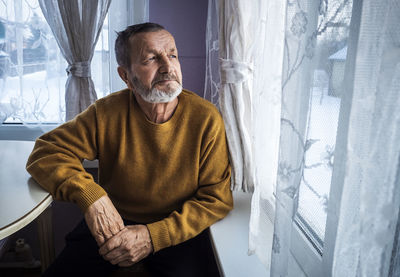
point(155, 69)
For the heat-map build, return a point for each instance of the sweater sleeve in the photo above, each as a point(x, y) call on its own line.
point(211, 202)
point(56, 160)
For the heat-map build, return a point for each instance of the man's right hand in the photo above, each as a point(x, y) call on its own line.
point(103, 220)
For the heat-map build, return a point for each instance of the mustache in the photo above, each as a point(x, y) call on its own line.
point(165, 77)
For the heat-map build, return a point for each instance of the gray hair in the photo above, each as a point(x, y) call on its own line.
point(122, 45)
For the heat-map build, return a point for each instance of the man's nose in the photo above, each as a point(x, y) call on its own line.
point(165, 65)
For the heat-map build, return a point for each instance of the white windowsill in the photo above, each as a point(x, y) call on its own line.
point(230, 238)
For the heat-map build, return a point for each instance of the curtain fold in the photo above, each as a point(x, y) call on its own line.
point(235, 95)
point(369, 212)
point(268, 56)
point(76, 26)
point(243, 78)
point(243, 89)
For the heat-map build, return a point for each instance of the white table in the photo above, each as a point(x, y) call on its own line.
point(22, 200)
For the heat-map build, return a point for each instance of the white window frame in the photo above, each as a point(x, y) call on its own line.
point(305, 253)
point(126, 12)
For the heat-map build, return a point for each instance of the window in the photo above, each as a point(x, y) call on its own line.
point(325, 49)
point(326, 87)
point(32, 69)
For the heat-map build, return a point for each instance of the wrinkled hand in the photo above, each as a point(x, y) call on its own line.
point(130, 245)
point(103, 220)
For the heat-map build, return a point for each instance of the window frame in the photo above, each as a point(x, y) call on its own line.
point(305, 253)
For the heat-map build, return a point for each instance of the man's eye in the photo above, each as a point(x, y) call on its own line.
point(152, 58)
point(173, 56)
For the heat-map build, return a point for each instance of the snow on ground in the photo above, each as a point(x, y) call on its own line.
point(39, 99)
point(39, 96)
point(323, 126)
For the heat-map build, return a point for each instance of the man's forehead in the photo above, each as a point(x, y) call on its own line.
point(153, 41)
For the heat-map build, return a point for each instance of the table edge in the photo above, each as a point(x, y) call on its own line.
point(26, 219)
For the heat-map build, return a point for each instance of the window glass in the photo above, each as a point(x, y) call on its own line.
point(323, 114)
point(32, 69)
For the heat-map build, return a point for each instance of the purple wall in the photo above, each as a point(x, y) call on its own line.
point(186, 21)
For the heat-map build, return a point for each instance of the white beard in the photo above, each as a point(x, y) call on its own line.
point(154, 95)
point(158, 96)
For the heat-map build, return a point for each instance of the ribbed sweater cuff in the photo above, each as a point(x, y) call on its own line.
point(89, 195)
point(159, 235)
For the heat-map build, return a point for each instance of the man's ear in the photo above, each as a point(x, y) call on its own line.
point(123, 73)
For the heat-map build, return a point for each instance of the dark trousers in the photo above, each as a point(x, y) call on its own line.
point(80, 257)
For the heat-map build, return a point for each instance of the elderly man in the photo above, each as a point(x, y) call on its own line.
point(164, 173)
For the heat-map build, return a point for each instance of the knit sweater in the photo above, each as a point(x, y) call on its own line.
point(174, 177)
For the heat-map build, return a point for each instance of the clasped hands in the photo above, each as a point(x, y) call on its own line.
point(119, 244)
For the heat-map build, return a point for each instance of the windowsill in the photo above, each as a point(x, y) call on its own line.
point(24, 132)
point(230, 238)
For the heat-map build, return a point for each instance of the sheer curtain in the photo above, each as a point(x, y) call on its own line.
point(236, 81)
point(212, 75)
point(268, 55)
point(369, 210)
point(243, 78)
point(76, 26)
point(344, 78)
point(235, 95)
point(299, 52)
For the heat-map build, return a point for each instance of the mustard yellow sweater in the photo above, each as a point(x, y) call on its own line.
point(174, 177)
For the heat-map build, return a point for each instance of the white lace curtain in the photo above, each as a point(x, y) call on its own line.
point(364, 199)
point(76, 26)
point(362, 212)
point(370, 166)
